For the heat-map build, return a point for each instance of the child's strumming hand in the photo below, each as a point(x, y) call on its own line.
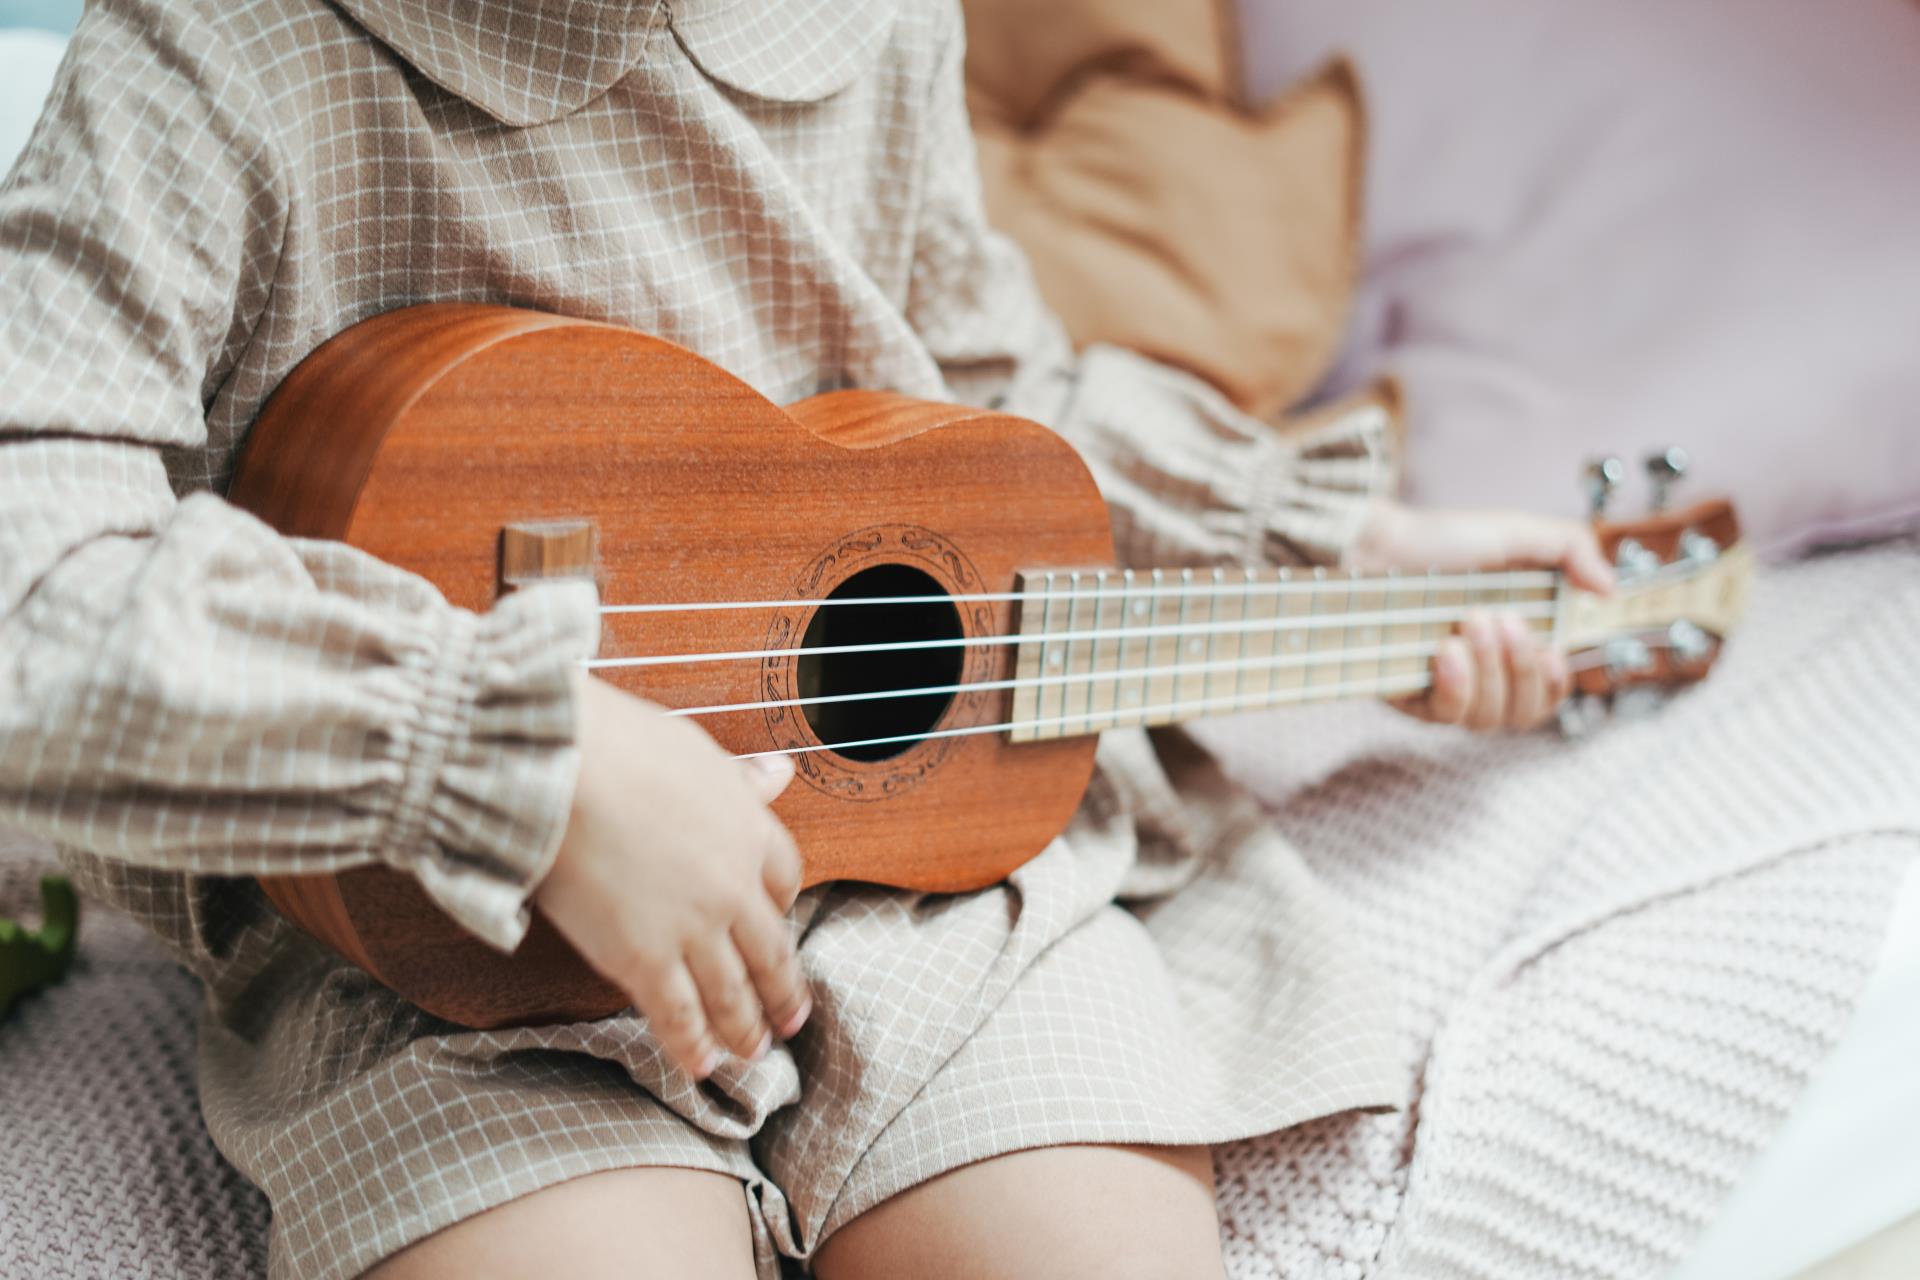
point(1494, 673)
point(673, 880)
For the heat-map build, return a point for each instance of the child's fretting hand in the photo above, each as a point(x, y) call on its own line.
point(673, 878)
point(1495, 673)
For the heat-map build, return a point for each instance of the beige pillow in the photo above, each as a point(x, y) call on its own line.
point(1160, 212)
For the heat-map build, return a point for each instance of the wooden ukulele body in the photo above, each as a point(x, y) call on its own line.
point(421, 435)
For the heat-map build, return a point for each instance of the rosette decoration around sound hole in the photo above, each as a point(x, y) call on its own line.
point(910, 573)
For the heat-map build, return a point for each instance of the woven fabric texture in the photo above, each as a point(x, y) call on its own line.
point(1617, 959)
point(107, 1168)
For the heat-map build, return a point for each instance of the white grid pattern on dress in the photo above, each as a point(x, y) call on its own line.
point(218, 188)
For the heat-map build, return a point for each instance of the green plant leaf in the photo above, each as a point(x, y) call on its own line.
point(31, 959)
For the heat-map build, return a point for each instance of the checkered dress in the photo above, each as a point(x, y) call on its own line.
point(786, 187)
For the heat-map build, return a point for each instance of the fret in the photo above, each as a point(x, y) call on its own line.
point(1258, 646)
point(1362, 666)
point(1327, 645)
point(1229, 682)
point(1075, 692)
point(1398, 669)
point(1389, 599)
point(1214, 682)
point(1196, 612)
point(1134, 649)
point(1168, 612)
point(1484, 592)
point(1548, 596)
point(1109, 614)
point(1028, 620)
point(1451, 601)
point(1290, 641)
point(1053, 655)
point(1163, 654)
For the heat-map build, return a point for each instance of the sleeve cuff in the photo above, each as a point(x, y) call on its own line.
point(1312, 489)
point(1194, 480)
point(491, 764)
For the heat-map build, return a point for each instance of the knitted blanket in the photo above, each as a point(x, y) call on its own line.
point(1618, 960)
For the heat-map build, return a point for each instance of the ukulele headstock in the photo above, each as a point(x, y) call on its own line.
point(1681, 587)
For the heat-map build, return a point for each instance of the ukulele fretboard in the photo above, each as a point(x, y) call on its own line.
point(1107, 649)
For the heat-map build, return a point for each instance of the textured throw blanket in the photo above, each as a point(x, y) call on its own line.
point(1618, 959)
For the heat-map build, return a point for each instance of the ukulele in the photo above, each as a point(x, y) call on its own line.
point(916, 601)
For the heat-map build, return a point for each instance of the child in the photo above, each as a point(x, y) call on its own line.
point(1013, 1082)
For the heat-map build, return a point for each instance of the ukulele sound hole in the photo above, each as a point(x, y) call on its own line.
point(888, 671)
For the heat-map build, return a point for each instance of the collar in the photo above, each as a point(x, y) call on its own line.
point(527, 62)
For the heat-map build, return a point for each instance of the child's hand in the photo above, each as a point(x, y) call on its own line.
point(673, 879)
point(1495, 673)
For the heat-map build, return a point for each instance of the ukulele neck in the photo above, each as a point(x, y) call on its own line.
point(1109, 649)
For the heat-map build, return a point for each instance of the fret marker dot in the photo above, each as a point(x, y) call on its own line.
point(1296, 642)
point(1133, 696)
point(1055, 658)
point(1139, 608)
point(1193, 647)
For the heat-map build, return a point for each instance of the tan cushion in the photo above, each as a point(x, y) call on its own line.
point(1159, 214)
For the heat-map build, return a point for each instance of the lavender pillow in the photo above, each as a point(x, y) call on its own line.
point(1610, 227)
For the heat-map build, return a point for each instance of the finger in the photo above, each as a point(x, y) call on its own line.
point(1559, 678)
point(1566, 545)
point(766, 946)
point(1489, 706)
point(1526, 675)
point(768, 775)
point(782, 872)
point(1452, 689)
point(733, 1006)
point(1584, 564)
point(672, 1006)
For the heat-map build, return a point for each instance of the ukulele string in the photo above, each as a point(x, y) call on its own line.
point(1576, 662)
point(1410, 683)
point(1176, 709)
point(1381, 618)
point(1422, 649)
point(1122, 588)
point(1319, 581)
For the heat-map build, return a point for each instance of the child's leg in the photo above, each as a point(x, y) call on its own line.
point(627, 1222)
point(1114, 1213)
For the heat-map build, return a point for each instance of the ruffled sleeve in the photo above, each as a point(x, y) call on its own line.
point(488, 784)
point(1192, 480)
point(181, 688)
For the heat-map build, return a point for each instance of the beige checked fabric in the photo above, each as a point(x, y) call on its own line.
point(787, 188)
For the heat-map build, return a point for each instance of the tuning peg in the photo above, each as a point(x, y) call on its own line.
point(1580, 714)
point(1628, 655)
point(1665, 468)
point(1603, 476)
point(1697, 548)
point(1634, 559)
point(1687, 642)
